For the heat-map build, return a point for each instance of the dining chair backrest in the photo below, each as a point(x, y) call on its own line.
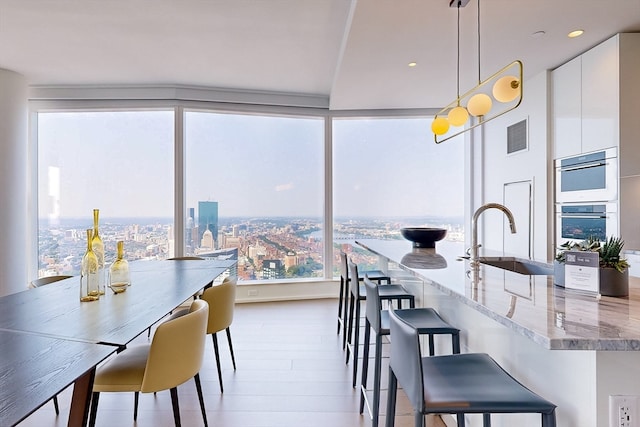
point(406, 359)
point(374, 305)
point(46, 280)
point(177, 349)
point(344, 268)
point(222, 300)
point(355, 283)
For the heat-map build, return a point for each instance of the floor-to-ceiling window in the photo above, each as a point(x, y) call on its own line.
point(254, 185)
point(388, 173)
point(120, 162)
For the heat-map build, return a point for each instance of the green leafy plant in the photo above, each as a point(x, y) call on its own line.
point(590, 244)
point(610, 254)
point(609, 251)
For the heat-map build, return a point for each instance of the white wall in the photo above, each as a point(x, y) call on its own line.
point(13, 176)
point(494, 168)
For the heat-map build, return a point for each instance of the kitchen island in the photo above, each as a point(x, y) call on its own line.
point(573, 349)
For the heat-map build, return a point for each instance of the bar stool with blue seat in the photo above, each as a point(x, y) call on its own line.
point(375, 275)
point(426, 320)
point(358, 294)
point(456, 384)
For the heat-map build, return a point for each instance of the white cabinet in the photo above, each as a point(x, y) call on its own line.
point(600, 96)
point(567, 109)
point(591, 94)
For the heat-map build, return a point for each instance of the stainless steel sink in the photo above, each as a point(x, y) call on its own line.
point(517, 265)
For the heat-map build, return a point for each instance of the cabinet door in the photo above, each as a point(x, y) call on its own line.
point(567, 129)
point(600, 96)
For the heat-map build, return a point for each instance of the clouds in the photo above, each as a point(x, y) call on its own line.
point(285, 187)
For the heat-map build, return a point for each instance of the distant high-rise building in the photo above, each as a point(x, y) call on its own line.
point(188, 234)
point(207, 219)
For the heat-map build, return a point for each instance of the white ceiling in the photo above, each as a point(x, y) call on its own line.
point(353, 51)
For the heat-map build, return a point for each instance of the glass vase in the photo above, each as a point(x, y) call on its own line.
point(119, 277)
point(98, 249)
point(89, 290)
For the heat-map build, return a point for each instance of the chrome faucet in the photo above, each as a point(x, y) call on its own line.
point(474, 227)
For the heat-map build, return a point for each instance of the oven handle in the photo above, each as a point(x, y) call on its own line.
point(584, 216)
point(586, 166)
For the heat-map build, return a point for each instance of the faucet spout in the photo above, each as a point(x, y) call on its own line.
point(474, 226)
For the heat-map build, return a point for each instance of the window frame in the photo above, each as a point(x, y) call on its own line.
point(124, 99)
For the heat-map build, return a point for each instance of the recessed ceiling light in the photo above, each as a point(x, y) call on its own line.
point(412, 64)
point(575, 33)
point(538, 34)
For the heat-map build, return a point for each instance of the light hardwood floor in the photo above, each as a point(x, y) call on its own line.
point(290, 373)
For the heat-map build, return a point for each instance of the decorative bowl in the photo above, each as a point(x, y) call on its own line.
point(423, 237)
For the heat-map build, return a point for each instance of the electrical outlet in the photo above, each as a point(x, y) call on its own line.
point(623, 411)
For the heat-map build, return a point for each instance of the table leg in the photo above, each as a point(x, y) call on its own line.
point(82, 388)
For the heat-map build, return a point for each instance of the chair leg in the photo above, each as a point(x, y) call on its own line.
point(176, 406)
point(233, 358)
point(460, 418)
point(549, 420)
point(95, 396)
point(376, 381)
point(455, 342)
point(55, 404)
point(136, 399)
point(348, 330)
point(391, 399)
point(356, 341)
point(201, 399)
point(365, 363)
point(217, 352)
point(340, 298)
point(348, 322)
point(431, 345)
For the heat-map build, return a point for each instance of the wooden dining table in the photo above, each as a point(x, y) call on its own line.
point(52, 322)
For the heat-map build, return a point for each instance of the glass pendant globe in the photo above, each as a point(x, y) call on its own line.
point(506, 89)
point(479, 104)
point(440, 125)
point(458, 116)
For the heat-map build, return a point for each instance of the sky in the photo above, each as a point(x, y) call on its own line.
point(123, 164)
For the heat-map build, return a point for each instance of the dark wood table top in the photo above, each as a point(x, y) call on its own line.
point(157, 287)
point(35, 368)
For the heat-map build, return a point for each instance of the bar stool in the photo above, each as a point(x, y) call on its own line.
point(455, 384)
point(426, 320)
point(375, 275)
point(356, 296)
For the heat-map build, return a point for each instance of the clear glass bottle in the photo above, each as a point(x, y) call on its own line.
point(89, 290)
point(98, 249)
point(119, 277)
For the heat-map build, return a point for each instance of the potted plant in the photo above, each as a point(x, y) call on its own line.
point(614, 270)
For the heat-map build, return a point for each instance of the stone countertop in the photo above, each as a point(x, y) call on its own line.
point(532, 306)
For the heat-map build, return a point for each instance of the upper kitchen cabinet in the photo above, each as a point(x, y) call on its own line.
point(594, 97)
point(567, 109)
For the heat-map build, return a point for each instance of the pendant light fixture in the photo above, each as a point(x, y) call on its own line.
point(504, 87)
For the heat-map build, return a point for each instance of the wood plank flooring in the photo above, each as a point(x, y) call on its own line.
point(290, 373)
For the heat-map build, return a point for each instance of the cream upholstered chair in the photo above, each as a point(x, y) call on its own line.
point(221, 299)
point(36, 283)
point(174, 356)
